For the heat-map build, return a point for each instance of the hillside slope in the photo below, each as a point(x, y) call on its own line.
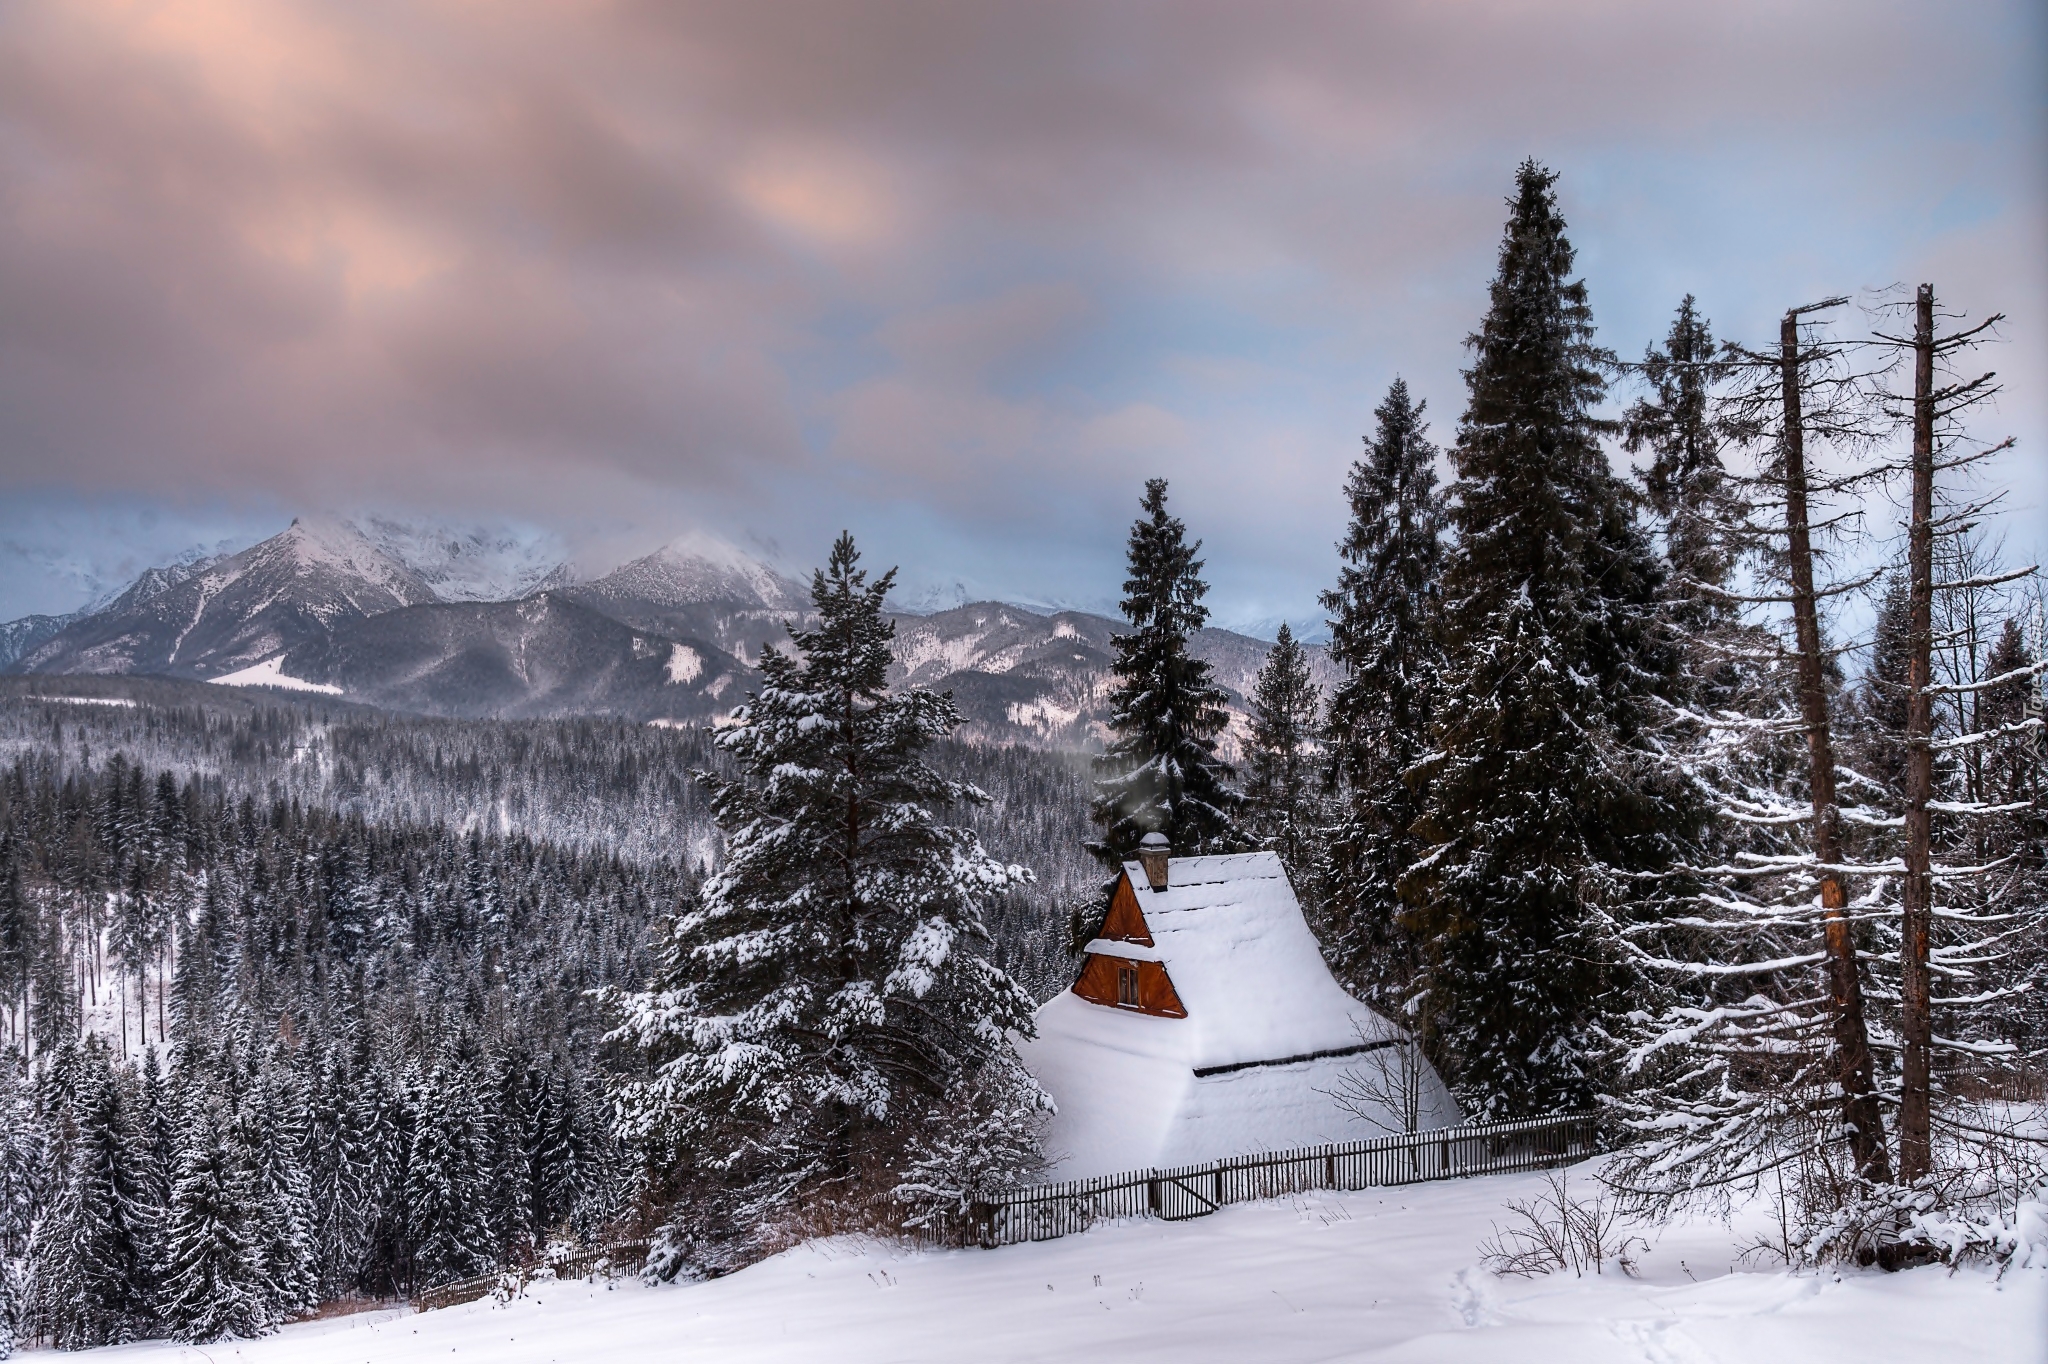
point(1386, 1274)
point(540, 656)
point(18, 637)
point(1023, 676)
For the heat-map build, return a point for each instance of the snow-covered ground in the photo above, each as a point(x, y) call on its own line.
point(1380, 1275)
point(270, 673)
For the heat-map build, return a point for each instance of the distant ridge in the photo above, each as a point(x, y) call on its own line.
point(382, 612)
point(234, 612)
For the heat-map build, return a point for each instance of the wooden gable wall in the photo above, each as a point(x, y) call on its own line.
point(1098, 985)
point(1125, 922)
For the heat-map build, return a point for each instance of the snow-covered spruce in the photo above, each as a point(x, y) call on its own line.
point(213, 1285)
point(1281, 806)
point(1546, 791)
point(830, 994)
point(990, 1137)
point(1160, 773)
point(1385, 632)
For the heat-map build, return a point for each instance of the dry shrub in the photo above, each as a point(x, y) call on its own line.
point(1558, 1231)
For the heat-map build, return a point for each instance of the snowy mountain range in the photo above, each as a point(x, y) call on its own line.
point(469, 563)
point(478, 623)
point(237, 611)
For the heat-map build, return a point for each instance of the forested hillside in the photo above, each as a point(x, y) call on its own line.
point(591, 785)
point(384, 1070)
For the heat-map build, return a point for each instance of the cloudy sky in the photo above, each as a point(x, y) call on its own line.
point(956, 276)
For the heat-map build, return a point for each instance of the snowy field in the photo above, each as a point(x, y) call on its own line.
point(1379, 1275)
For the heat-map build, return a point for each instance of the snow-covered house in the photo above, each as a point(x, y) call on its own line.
point(1204, 1024)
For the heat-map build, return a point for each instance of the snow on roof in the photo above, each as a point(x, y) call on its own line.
point(1233, 940)
point(1243, 1072)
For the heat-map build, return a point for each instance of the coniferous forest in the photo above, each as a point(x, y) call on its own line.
point(1686, 766)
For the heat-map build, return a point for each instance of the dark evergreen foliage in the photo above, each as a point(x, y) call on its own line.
point(596, 787)
point(833, 985)
point(2015, 776)
point(1687, 488)
point(1544, 791)
point(1879, 738)
point(1280, 806)
point(374, 954)
point(213, 1285)
point(1384, 634)
point(309, 970)
point(1160, 774)
point(92, 1264)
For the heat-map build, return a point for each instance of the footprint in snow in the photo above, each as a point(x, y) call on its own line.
point(1472, 1297)
point(1660, 1342)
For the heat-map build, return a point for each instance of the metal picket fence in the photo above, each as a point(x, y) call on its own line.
point(1044, 1211)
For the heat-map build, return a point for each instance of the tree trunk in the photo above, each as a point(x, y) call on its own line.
point(1860, 1112)
point(1915, 1015)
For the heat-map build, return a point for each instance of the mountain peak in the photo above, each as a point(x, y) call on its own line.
point(236, 611)
point(464, 561)
point(697, 568)
point(340, 556)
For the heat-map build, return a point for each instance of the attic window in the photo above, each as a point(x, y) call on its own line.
point(1127, 986)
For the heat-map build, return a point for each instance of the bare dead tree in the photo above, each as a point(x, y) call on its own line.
point(1861, 1113)
point(1935, 417)
point(1750, 1066)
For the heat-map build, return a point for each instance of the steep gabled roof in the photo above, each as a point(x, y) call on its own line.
point(1233, 940)
point(1269, 1033)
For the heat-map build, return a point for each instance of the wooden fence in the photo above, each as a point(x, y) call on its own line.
point(624, 1257)
point(1044, 1211)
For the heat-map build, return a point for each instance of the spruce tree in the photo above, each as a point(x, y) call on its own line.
point(448, 1181)
point(385, 1118)
point(336, 1176)
point(275, 1115)
point(2015, 769)
point(21, 1155)
point(1879, 739)
point(1279, 794)
point(156, 1130)
point(10, 1309)
point(507, 1143)
point(553, 1153)
point(214, 1286)
point(17, 930)
point(1383, 633)
point(2016, 776)
point(1545, 794)
point(835, 977)
point(92, 1261)
point(1160, 774)
point(1686, 484)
